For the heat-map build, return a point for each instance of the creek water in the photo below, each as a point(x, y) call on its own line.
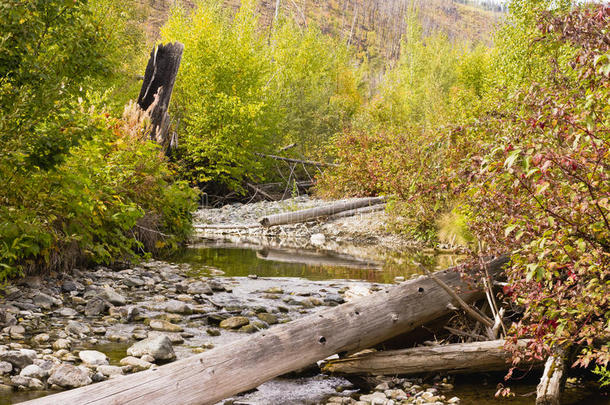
point(222, 260)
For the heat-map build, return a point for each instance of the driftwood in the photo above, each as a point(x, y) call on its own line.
point(551, 384)
point(451, 359)
point(313, 213)
point(304, 162)
point(211, 376)
point(316, 259)
point(157, 88)
point(357, 211)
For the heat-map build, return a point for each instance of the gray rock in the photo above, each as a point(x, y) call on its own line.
point(28, 382)
point(62, 344)
point(41, 338)
point(317, 239)
point(177, 307)
point(15, 331)
point(18, 358)
point(95, 307)
point(34, 371)
point(216, 285)
point(77, 328)
point(114, 297)
point(69, 376)
point(148, 358)
point(5, 367)
point(93, 357)
point(199, 287)
point(159, 324)
point(234, 322)
point(376, 398)
point(109, 371)
point(160, 347)
point(135, 364)
point(45, 301)
point(67, 312)
point(266, 317)
point(133, 281)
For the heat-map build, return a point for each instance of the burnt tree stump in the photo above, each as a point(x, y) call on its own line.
point(156, 91)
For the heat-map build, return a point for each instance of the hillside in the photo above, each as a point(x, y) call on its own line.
point(375, 28)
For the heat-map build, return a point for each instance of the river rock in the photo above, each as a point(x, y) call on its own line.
point(41, 338)
point(161, 325)
point(28, 382)
point(18, 358)
point(135, 364)
point(15, 331)
point(93, 357)
point(317, 239)
point(69, 376)
point(34, 371)
point(45, 301)
point(62, 344)
point(68, 312)
point(95, 307)
point(199, 287)
point(110, 371)
point(160, 347)
point(234, 322)
point(114, 297)
point(77, 328)
point(378, 398)
point(5, 367)
point(178, 307)
point(267, 317)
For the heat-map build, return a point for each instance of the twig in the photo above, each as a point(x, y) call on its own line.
point(465, 334)
point(261, 192)
point(474, 314)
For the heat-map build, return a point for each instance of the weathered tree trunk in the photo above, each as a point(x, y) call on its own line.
point(227, 370)
point(156, 91)
point(551, 384)
point(315, 259)
point(313, 213)
point(357, 211)
point(453, 359)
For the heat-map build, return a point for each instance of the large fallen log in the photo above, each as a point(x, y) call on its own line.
point(451, 359)
point(209, 377)
point(551, 384)
point(313, 213)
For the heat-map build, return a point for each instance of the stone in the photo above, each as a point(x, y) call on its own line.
point(382, 386)
point(34, 371)
point(45, 301)
point(161, 325)
point(5, 367)
point(376, 398)
point(274, 290)
point(216, 285)
point(178, 307)
point(395, 394)
point(248, 328)
point(15, 331)
point(93, 357)
point(199, 287)
point(114, 297)
point(454, 400)
point(131, 281)
point(95, 307)
point(69, 376)
point(175, 338)
point(41, 338)
point(135, 364)
point(109, 371)
point(67, 312)
point(18, 358)
point(159, 347)
point(148, 358)
point(77, 328)
point(267, 317)
point(212, 332)
point(317, 239)
point(62, 344)
point(29, 382)
point(234, 322)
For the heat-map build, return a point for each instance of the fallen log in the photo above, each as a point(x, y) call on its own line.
point(357, 211)
point(313, 213)
point(551, 384)
point(315, 258)
point(304, 162)
point(458, 358)
point(211, 376)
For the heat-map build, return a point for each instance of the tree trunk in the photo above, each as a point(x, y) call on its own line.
point(313, 213)
point(209, 377)
point(156, 91)
point(453, 359)
point(551, 384)
point(357, 211)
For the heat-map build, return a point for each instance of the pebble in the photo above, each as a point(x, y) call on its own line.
point(62, 344)
point(135, 363)
point(93, 357)
point(234, 322)
point(161, 325)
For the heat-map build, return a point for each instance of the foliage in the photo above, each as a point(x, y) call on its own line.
point(111, 198)
point(542, 190)
point(242, 91)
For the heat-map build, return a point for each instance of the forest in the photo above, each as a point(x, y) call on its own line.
point(485, 126)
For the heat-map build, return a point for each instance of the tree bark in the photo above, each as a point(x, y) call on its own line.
point(156, 91)
point(211, 376)
point(551, 384)
point(452, 359)
point(313, 213)
point(357, 211)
